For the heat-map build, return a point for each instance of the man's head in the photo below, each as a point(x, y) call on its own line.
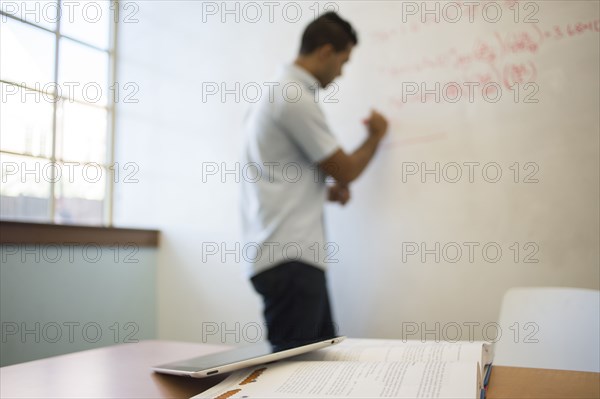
point(326, 46)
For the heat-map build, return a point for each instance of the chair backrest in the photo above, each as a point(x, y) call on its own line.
point(550, 327)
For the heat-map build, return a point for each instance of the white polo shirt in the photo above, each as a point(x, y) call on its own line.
point(283, 191)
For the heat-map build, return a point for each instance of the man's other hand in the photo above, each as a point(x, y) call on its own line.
point(339, 193)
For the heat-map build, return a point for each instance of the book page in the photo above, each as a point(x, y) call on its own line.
point(343, 379)
point(382, 350)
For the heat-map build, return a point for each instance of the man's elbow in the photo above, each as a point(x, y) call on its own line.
point(343, 168)
point(346, 176)
point(344, 173)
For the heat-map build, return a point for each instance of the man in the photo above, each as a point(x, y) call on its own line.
point(289, 142)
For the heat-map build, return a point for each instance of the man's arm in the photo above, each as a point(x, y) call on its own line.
point(345, 168)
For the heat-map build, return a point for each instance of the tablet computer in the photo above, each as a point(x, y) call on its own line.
point(238, 358)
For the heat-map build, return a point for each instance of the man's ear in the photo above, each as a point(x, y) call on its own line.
point(325, 51)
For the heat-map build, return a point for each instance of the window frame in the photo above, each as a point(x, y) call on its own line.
point(110, 107)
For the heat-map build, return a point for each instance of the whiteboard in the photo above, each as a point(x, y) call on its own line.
point(472, 192)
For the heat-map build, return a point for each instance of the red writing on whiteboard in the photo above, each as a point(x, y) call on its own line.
point(487, 61)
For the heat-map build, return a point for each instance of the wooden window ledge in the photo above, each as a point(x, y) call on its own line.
point(18, 233)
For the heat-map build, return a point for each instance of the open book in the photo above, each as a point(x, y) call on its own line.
point(368, 368)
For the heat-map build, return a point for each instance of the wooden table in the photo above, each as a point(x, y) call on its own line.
point(123, 371)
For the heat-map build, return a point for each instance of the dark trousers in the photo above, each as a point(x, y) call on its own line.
point(296, 303)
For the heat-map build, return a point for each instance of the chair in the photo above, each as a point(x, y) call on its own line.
point(551, 328)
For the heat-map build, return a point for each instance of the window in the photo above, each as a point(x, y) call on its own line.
point(57, 66)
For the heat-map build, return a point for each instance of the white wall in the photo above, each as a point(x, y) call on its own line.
point(170, 52)
point(169, 133)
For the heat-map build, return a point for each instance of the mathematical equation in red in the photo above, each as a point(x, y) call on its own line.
point(491, 61)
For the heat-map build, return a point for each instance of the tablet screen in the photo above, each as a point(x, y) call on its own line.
point(241, 354)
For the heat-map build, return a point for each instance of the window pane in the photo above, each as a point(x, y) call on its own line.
point(83, 71)
point(39, 12)
point(81, 133)
point(25, 190)
point(26, 54)
point(26, 122)
point(80, 194)
point(88, 21)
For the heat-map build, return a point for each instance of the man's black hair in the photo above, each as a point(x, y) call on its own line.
point(329, 28)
